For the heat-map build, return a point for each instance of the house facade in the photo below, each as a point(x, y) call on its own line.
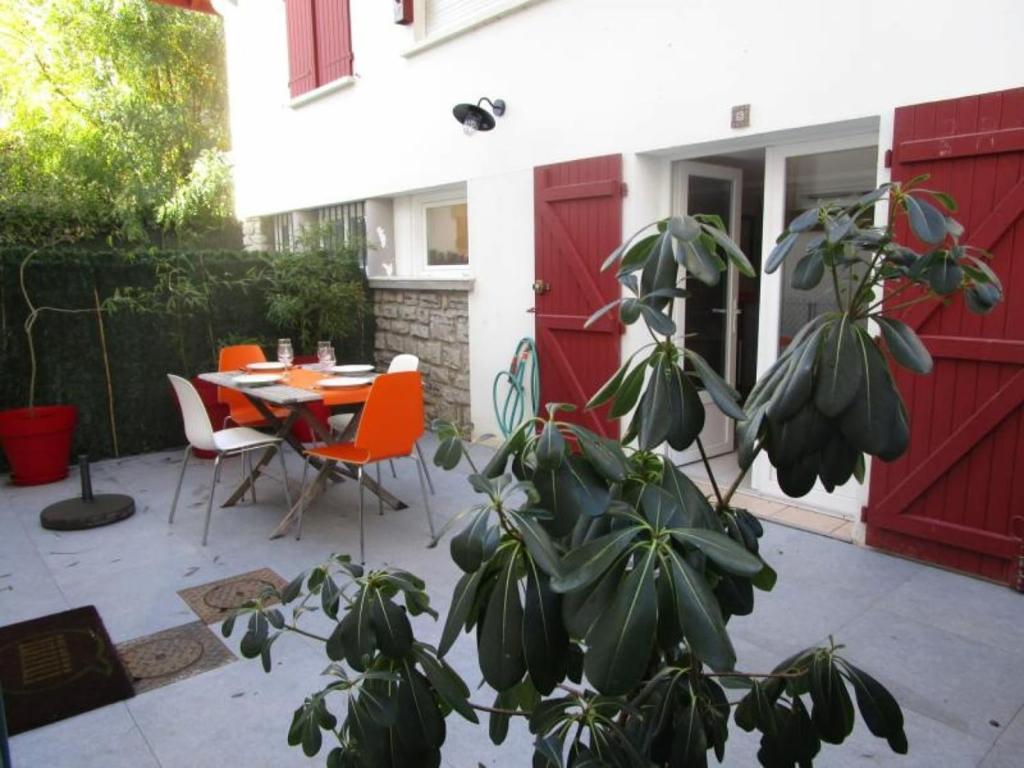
point(620, 113)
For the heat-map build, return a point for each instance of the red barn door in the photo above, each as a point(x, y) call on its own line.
point(578, 222)
point(957, 497)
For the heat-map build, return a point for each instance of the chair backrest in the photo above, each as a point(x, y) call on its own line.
point(193, 413)
point(404, 362)
point(235, 358)
point(392, 419)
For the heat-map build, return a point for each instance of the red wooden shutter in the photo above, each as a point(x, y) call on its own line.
point(301, 46)
point(957, 497)
point(578, 222)
point(333, 40)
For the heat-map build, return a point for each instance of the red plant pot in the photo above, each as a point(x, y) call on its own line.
point(37, 442)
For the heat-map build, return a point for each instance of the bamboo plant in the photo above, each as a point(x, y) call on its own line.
point(599, 580)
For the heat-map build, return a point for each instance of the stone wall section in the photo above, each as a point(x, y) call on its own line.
point(433, 325)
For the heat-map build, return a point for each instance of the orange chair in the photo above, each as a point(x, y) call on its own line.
point(389, 426)
point(241, 411)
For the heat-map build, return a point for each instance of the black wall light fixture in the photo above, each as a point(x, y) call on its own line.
point(475, 118)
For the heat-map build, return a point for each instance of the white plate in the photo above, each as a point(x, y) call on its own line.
point(258, 379)
point(268, 366)
point(344, 381)
point(361, 368)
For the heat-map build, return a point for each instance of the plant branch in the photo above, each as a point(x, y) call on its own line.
point(499, 711)
point(297, 630)
point(739, 479)
point(711, 475)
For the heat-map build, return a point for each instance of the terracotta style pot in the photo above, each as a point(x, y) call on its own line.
point(37, 442)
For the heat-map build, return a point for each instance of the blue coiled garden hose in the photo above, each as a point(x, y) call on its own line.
point(523, 371)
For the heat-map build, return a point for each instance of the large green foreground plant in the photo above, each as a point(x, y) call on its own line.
point(597, 577)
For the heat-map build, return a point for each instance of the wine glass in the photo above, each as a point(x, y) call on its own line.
point(328, 358)
point(321, 352)
point(285, 353)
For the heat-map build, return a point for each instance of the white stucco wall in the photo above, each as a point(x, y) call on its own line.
point(581, 78)
point(588, 77)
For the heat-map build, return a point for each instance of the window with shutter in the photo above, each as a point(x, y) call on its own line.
point(441, 18)
point(319, 43)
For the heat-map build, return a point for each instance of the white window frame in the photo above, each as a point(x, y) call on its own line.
point(500, 9)
point(424, 203)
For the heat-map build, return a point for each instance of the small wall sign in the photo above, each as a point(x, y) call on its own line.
point(741, 116)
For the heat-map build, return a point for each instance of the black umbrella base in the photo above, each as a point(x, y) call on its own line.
point(78, 514)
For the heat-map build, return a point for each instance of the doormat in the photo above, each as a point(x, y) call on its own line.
point(58, 666)
point(172, 655)
point(215, 601)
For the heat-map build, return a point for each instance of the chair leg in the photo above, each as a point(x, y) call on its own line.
point(181, 477)
point(423, 464)
point(394, 475)
point(421, 472)
point(380, 501)
point(362, 528)
point(284, 475)
point(209, 503)
point(252, 485)
point(302, 496)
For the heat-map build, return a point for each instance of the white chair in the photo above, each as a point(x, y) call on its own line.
point(339, 422)
point(224, 442)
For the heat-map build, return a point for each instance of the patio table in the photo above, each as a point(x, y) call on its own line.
point(295, 394)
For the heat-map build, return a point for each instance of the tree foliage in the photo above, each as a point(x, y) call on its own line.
point(112, 119)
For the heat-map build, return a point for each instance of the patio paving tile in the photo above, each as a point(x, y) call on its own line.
point(946, 644)
point(959, 682)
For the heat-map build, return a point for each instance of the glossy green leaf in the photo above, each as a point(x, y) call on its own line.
point(806, 220)
point(391, 625)
point(545, 642)
point(419, 718)
point(583, 607)
point(701, 618)
point(449, 686)
point(876, 421)
point(725, 396)
point(658, 321)
point(686, 411)
point(500, 639)
point(689, 740)
point(797, 383)
point(659, 273)
point(467, 546)
point(660, 508)
point(620, 643)
point(551, 448)
point(538, 543)
point(809, 271)
point(654, 406)
point(780, 252)
point(699, 262)
point(585, 564)
point(449, 453)
point(832, 712)
point(905, 346)
point(603, 454)
point(721, 550)
point(462, 600)
point(572, 491)
point(925, 220)
point(684, 227)
point(878, 707)
point(629, 392)
point(736, 256)
point(637, 254)
point(696, 511)
point(945, 276)
point(840, 368)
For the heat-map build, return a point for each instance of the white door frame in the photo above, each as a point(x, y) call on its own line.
point(718, 427)
point(848, 499)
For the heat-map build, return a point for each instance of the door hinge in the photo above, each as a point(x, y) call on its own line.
point(1017, 530)
point(888, 158)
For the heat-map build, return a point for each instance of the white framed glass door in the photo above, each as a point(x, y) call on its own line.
point(798, 177)
point(707, 321)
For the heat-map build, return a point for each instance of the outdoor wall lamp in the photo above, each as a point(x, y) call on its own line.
point(475, 118)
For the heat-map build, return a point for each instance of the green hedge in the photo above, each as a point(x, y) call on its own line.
point(142, 346)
